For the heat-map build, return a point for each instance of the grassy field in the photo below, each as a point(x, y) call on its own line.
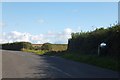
point(55, 48)
point(59, 47)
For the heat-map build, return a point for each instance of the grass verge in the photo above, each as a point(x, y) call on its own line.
point(101, 61)
point(39, 52)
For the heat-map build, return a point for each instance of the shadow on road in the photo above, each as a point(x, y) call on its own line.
point(55, 67)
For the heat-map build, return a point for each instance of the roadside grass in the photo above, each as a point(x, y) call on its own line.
point(101, 61)
point(108, 62)
point(39, 52)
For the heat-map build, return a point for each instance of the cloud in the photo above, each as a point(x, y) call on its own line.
point(14, 36)
point(37, 37)
point(60, 37)
point(52, 37)
point(68, 30)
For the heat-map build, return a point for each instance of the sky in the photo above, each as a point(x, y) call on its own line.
point(41, 22)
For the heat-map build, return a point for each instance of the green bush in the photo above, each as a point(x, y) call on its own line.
point(17, 46)
point(46, 46)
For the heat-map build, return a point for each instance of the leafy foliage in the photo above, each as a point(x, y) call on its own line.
point(88, 42)
point(46, 46)
point(17, 46)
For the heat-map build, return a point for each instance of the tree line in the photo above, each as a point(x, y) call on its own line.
point(88, 42)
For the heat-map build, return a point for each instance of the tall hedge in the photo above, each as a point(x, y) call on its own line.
point(17, 46)
point(88, 42)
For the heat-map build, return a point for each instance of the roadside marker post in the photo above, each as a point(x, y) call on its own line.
point(101, 47)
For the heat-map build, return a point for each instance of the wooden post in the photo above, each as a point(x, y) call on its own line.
point(98, 50)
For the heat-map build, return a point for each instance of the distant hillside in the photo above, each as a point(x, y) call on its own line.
point(59, 47)
point(55, 47)
point(37, 45)
point(28, 45)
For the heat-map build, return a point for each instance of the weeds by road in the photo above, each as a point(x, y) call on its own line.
point(101, 61)
point(39, 52)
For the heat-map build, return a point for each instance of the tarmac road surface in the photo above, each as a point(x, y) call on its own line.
point(17, 64)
